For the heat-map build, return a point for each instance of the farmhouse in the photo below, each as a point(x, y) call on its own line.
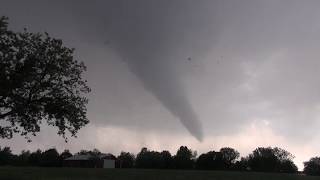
point(91, 161)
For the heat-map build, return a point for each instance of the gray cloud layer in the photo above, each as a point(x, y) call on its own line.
point(251, 61)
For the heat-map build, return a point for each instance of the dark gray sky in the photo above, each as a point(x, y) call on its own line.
point(168, 72)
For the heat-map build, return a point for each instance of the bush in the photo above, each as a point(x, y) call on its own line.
point(312, 167)
point(271, 160)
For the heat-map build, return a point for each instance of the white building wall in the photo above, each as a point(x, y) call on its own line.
point(108, 163)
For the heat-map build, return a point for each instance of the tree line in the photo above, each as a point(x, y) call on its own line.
point(262, 159)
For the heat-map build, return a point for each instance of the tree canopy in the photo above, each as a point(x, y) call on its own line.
point(184, 158)
point(126, 160)
point(312, 167)
point(40, 81)
point(225, 159)
point(271, 160)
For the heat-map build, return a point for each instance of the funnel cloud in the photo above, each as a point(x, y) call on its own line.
point(159, 79)
point(155, 38)
point(145, 39)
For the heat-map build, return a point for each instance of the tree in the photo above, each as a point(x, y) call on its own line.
point(126, 160)
point(271, 160)
point(229, 156)
point(40, 81)
point(184, 158)
point(142, 159)
point(64, 155)
point(241, 165)
point(210, 161)
point(83, 152)
point(5, 156)
point(225, 159)
point(50, 158)
point(22, 159)
point(148, 159)
point(288, 166)
point(312, 167)
point(167, 159)
point(95, 152)
point(263, 159)
point(154, 159)
point(35, 158)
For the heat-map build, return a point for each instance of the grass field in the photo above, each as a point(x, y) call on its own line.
point(11, 173)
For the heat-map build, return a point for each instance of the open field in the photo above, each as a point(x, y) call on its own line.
point(33, 173)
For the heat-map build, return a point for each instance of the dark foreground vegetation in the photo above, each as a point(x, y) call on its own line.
point(40, 81)
point(34, 173)
point(262, 159)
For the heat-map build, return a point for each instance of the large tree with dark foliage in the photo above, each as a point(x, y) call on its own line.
point(167, 159)
point(225, 159)
point(241, 165)
point(154, 159)
point(40, 80)
point(184, 159)
point(22, 159)
point(50, 158)
point(6, 156)
point(210, 161)
point(271, 160)
point(229, 156)
point(35, 158)
point(312, 167)
point(64, 155)
point(148, 159)
point(126, 160)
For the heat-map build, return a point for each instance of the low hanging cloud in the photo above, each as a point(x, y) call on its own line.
point(218, 66)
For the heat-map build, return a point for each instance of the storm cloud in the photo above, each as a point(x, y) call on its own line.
point(233, 72)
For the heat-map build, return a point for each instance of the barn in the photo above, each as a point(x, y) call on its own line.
point(91, 161)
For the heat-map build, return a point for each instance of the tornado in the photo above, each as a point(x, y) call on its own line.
point(159, 77)
point(153, 38)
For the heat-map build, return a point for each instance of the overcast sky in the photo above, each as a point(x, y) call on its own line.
point(201, 73)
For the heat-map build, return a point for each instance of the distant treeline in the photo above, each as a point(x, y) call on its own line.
point(263, 159)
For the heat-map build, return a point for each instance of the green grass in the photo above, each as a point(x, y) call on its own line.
point(33, 173)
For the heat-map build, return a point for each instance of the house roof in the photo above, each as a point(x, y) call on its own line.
point(85, 157)
point(79, 157)
point(107, 156)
